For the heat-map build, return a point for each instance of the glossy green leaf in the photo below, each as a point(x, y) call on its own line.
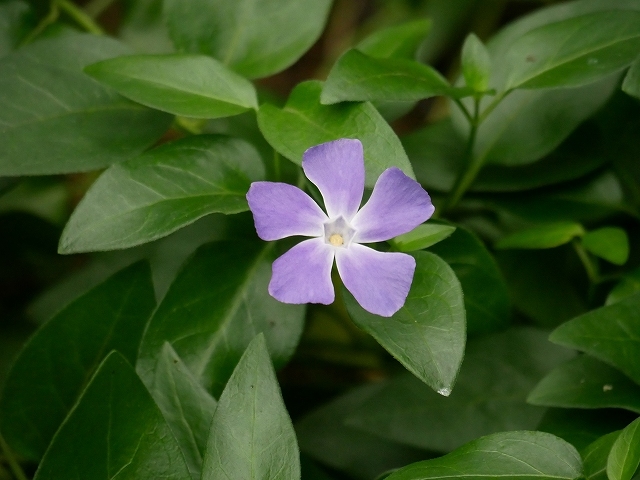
point(304, 122)
point(525, 455)
point(476, 64)
point(254, 38)
point(610, 243)
point(186, 406)
point(161, 191)
point(543, 236)
point(214, 308)
point(631, 83)
point(114, 431)
point(15, 20)
point(359, 77)
point(628, 286)
point(585, 382)
point(576, 51)
point(251, 434)
point(56, 364)
point(77, 129)
point(427, 335)
point(624, 457)
point(421, 237)
point(397, 41)
point(595, 457)
point(607, 333)
point(486, 298)
point(189, 85)
point(497, 373)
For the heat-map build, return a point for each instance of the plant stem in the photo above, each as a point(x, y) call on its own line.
point(80, 17)
point(95, 7)
point(276, 165)
point(589, 267)
point(51, 17)
point(11, 460)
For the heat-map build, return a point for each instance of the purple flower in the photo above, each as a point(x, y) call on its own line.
point(379, 281)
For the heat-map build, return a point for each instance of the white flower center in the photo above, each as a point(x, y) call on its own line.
point(338, 232)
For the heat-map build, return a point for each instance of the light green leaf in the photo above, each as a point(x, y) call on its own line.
point(525, 455)
point(251, 434)
point(421, 237)
point(397, 41)
point(595, 457)
point(607, 333)
point(585, 382)
point(189, 85)
point(114, 431)
point(544, 236)
point(214, 308)
point(254, 38)
point(57, 362)
point(427, 335)
point(161, 191)
point(628, 286)
point(79, 124)
point(304, 122)
point(610, 243)
point(624, 457)
point(476, 64)
point(631, 83)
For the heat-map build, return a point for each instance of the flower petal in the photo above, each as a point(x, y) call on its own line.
point(397, 205)
point(337, 169)
point(281, 210)
point(303, 274)
point(379, 281)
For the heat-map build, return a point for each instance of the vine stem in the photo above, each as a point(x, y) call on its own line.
point(95, 7)
point(13, 463)
point(589, 267)
point(80, 17)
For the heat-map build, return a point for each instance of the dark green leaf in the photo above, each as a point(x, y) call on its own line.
point(631, 83)
point(498, 372)
point(304, 122)
point(624, 457)
point(398, 41)
point(161, 191)
point(525, 455)
point(628, 286)
point(15, 20)
point(215, 307)
point(143, 27)
point(189, 85)
point(251, 434)
point(476, 64)
point(543, 236)
point(114, 431)
point(254, 38)
point(595, 457)
point(58, 361)
point(79, 124)
point(585, 382)
point(610, 243)
point(421, 237)
point(427, 335)
point(607, 333)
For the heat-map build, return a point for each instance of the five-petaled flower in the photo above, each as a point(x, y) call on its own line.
point(379, 281)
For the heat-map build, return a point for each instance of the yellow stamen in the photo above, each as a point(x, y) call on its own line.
point(336, 240)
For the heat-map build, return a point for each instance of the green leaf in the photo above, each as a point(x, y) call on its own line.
point(610, 243)
point(189, 85)
point(16, 19)
point(79, 124)
point(486, 297)
point(114, 431)
point(628, 286)
point(214, 308)
point(161, 191)
point(397, 41)
point(254, 38)
point(624, 457)
point(359, 77)
point(56, 364)
point(421, 237)
point(595, 457)
point(631, 83)
point(585, 382)
point(607, 333)
point(304, 122)
point(427, 335)
point(498, 372)
point(543, 236)
point(576, 51)
point(186, 406)
point(526, 455)
point(251, 433)
point(476, 64)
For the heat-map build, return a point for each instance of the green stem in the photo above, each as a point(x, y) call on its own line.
point(80, 17)
point(51, 17)
point(590, 268)
point(276, 165)
point(494, 103)
point(463, 109)
point(95, 7)
point(11, 460)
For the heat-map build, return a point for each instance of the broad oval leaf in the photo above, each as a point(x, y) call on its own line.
point(427, 335)
point(595, 457)
point(304, 122)
point(631, 83)
point(114, 431)
point(628, 286)
point(585, 382)
point(524, 455)
point(476, 64)
point(397, 41)
point(543, 236)
point(421, 237)
point(624, 457)
point(254, 38)
point(214, 308)
point(189, 85)
point(58, 361)
point(162, 190)
point(77, 129)
point(251, 433)
point(610, 243)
